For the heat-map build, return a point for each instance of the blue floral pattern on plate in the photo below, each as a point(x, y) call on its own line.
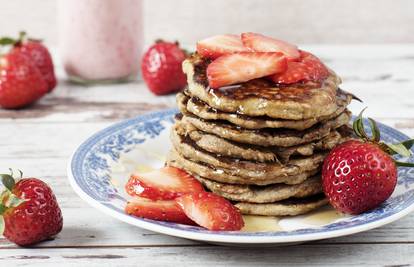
point(90, 175)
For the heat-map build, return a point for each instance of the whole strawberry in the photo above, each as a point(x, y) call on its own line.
point(161, 68)
point(29, 212)
point(40, 56)
point(21, 82)
point(359, 175)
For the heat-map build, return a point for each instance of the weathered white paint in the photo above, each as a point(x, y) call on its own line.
point(306, 255)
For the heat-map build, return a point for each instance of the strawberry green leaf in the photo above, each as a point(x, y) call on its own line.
point(2, 225)
point(14, 201)
point(399, 149)
point(7, 41)
point(358, 127)
point(4, 196)
point(408, 143)
point(2, 209)
point(355, 127)
point(361, 128)
point(376, 135)
point(404, 164)
point(8, 181)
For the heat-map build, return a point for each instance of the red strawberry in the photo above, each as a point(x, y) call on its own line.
point(261, 43)
point(161, 210)
point(41, 58)
point(358, 176)
point(309, 68)
point(164, 184)
point(30, 211)
point(21, 82)
point(211, 211)
point(244, 66)
point(216, 46)
point(161, 68)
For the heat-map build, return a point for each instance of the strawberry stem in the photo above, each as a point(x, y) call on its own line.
point(22, 36)
point(12, 174)
point(402, 148)
point(7, 41)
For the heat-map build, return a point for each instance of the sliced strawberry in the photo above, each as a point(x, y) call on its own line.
point(216, 46)
point(166, 184)
point(161, 210)
point(261, 43)
point(211, 211)
point(244, 66)
point(309, 68)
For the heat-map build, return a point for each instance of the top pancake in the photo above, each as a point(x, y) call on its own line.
point(261, 97)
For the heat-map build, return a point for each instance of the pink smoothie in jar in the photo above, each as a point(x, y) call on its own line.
point(100, 40)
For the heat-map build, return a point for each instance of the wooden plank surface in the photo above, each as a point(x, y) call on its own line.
point(338, 255)
point(40, 139)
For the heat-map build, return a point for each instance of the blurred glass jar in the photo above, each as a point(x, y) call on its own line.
point(100, 40)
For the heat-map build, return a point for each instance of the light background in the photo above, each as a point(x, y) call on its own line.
point(299, 21)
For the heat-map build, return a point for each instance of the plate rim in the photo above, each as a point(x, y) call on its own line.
point(211, 236)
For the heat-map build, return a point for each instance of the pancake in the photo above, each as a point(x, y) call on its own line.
point(217, 145)
point(200, 109)
point(248, 169)
point(261, 97)
point(224, 175)
point(266, 137)
point(325, 144)
point(264, 194)
point(289, 207)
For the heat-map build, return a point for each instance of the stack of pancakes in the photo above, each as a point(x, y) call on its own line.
point(258, 144)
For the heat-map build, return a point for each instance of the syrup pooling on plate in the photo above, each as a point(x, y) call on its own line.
point(318, 218)
point(323, 217)
point(254, 223)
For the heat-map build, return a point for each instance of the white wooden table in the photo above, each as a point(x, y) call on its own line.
point(40, 139)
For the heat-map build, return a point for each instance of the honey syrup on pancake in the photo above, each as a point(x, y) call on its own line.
point(257, 88)
point(341, 95)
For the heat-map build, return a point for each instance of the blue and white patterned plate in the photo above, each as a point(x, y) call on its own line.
point(100, 167)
